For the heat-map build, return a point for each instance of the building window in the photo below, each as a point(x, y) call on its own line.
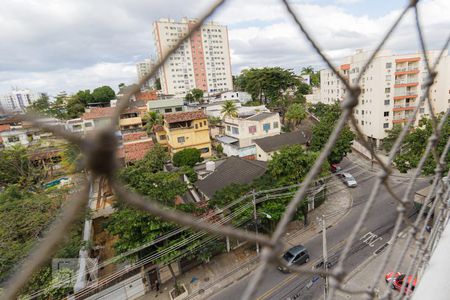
point(204, 123)
point(385, 125)
point(235, 130)
point(252, 129)
point(362, 122)
point(275, 125)
point(388, 77)
point(387, 102)
point(201, 125)
point(196, 126)
point(162, 137)
point(87, 124)
point(387, 90)
point(13, 139)
point(388, 65)
point(386, 114)
point(178, 109)
point(168, 110)
point(228, 128)
point(180, 139)
point(266, 127)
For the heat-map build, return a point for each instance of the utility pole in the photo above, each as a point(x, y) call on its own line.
point(371, 152)
point(255, 217)
point(325, 256)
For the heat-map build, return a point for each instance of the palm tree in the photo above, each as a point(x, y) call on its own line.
point(229, 109)
point(152, 118)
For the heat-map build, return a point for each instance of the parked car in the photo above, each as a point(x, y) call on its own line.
point(335, 168)
point(297, 255)
point(348, 179)
point(396, 279)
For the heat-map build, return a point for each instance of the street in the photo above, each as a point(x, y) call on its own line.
point(372, 235)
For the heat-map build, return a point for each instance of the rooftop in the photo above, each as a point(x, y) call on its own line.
point(261, 116)
point(232, 170)
point(273, 143)
point(98, 113)
point(135, 150)
point(135, 136)
point(184, 116)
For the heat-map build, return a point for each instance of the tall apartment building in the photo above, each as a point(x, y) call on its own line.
point(202, 62)
point(142, 69)
point(391, 88)
point(17, 100)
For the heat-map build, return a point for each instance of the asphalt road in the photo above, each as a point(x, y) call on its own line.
point(374, 233)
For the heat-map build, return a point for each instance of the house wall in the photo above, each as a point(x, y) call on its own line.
point(244, 135)
point(196, 136)
point(166, 105)
point(261, 154)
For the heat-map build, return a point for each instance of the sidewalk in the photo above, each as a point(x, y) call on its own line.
point(227, 268)
point(363, 276)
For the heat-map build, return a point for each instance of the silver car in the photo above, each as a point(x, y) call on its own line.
point(348, 179)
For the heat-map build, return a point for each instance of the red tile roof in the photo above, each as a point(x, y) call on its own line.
point(135, 136)
point(184, 116)
point(5, 127)
point(147, 96)
point(158, 128)
point(136, 150)
point(98, 113)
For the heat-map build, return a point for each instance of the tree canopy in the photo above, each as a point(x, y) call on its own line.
point(415, 144)
point(187, 157)
point(392, 135)
point(329, 114)
point(295, 114)
point(194, 95)
point(291, 164)
point(313, 75)
point(103, 94)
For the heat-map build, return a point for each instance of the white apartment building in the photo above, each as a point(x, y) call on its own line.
point(202, 62)
point(142, 69)
point(241, 132)
point(17, 100)
point(391, 88)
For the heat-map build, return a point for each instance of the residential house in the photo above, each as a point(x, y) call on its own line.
point(165, 106)
point(130, 119)
point(214, 109)
point(160, 134)
point(240, 133)
point(268, 146)
point(187, 130)
point(97, 117)
point(233, 170)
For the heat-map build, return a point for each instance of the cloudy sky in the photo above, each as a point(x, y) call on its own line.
point(56, 45)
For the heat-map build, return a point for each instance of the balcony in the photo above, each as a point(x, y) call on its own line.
point(405, 95)
point(130, 121)
point(402, 107)
point(406, 83)
point(409, 59)
point(406, 70)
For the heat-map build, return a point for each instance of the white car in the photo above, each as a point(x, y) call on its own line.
point(348, 179)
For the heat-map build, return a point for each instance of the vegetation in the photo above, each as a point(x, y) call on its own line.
point(313, 75)
point(187, 157)
point(195, 95)
point(229, 109)
point(415, 144)
point(295, 114)
point(392, 135)
point(151, 119)
point(329, 114)
point(102, 94)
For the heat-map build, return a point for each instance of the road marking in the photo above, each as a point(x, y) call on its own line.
point(370, 238)
point(291, 277)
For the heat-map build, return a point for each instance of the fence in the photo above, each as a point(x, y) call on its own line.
point(100, 148)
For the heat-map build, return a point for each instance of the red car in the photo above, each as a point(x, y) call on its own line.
point(397, 279)
point(335, 168)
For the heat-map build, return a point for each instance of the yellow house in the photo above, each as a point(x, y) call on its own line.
point(187, 130)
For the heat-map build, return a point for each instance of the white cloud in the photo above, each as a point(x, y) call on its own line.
point(69, 45)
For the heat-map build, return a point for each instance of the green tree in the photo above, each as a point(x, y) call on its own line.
point(197, 94)
point(71, 157)
point(415, 144)
point(229, 109)
point(228, 194)
point(189, 97)
point(77, 103)
point(291, 164)
point(187, 157)
point(328, 115)
point(158, 84)
point(314, 76)
point(41, 105)
point(295, 114)
point(267, 83)
point(103, 94)
point(151, 119)
point(17, 168)
point(392, 135)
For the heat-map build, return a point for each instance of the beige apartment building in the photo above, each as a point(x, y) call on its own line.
point(202, 62)
point(391, 88)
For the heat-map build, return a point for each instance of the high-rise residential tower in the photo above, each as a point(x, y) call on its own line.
point(202, 62)
point(390, 88)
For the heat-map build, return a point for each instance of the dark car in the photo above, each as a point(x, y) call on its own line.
point(396, 280)
point(297, 255)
